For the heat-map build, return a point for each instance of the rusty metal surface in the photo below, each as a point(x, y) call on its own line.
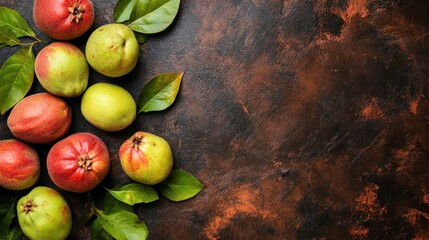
point(304, 119)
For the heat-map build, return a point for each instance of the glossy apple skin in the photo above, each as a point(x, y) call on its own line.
point(53, 17)
point(44, 214)
point(61, 68)
point(40, 118)
point(20, 165)
point(78, 163)
point(146, 158)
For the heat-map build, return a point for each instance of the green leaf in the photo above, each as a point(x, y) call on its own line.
point(87, 213)
point(141, 8)
point(16, 78)
point(5, 206)
point(134, 193)
point(123, 9)
point(180, 185)
point(111, 204)
point(141, 37)
point(14, 21)
point(6, 218)
point(160, 92)
point(153, 16)
point(8, 38)
point(123, 225)
point(14, 234)
point(98, 232)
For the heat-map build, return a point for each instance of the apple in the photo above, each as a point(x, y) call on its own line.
point(63, 19)
point(78, 163)
point(44, 214)
point(20, 165)
point(108, 107)
point(146, 158)
point(40, 118)
point(112, 50)
point(62, 69)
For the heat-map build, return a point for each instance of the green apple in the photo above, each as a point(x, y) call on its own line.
point(44, 214)
point(62, 69)
point(146, 158)
point(108, 107)
point(112, 50)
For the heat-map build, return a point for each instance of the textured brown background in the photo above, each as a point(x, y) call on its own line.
point(304, 119)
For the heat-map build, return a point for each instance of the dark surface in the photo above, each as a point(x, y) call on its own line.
point(304, 119)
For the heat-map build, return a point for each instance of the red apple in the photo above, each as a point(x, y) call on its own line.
point(63, 19)
point(78, 163)
point(20, 165)
point(40, 118)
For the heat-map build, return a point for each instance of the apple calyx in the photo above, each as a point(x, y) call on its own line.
point(75, 12)
point(84, 162)
point(28, 206)
point(137, 141)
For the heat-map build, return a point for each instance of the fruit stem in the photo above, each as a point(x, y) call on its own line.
point(37, 40)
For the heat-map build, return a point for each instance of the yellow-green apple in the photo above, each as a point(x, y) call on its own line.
point(146, 158)
point(44, 214)
point(63, 19)
point(40, 118)
point(108, 107)
point(62, 69)
point(112, 50)
point(78, 163)
point(20, 165)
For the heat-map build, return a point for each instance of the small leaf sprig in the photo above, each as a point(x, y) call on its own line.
point(180, 185)
point(160, 92)
point(146, 17)
point(17, 72)
point(12, 27)
point(118, 220)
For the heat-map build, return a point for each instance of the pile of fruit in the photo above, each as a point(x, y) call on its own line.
point(80, 161)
